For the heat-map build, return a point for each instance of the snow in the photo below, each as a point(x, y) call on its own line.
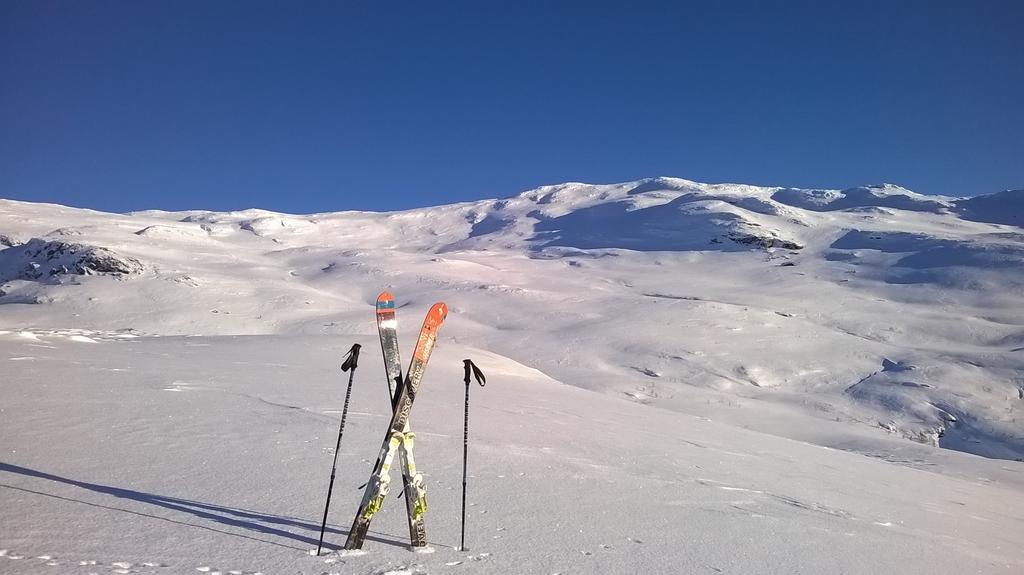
point(1002, 208)
point(881, 196)
point(669, 388)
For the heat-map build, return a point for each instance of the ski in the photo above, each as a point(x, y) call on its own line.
point(387, 327)
point(378, 486)
point(412, 481)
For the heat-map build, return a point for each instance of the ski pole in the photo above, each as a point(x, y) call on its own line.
point(479, 375)
point(350, 364)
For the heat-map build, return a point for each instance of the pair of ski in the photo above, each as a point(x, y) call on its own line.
point(399, 439)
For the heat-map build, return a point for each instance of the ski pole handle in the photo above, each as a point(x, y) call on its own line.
point(352, 358)
point(471, 367)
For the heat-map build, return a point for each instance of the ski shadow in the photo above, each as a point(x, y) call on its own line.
point(263, 523)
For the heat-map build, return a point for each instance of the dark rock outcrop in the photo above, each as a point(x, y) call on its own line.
point(39, 259)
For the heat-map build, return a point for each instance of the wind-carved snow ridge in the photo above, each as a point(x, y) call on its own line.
point(159, 232)
point(1002, 208)
point(879, 196)
point(658, 214)
point(742, 303)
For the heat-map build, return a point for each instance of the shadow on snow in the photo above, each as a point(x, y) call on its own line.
point(264, 523)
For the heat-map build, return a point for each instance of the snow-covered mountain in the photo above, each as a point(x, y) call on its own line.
point(873, 320)
point(875, 305)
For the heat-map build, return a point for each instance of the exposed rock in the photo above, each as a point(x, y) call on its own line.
point(65, 232)
point(767, 241)
point(40, 259)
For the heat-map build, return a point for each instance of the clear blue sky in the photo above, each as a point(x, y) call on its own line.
point(321, 106)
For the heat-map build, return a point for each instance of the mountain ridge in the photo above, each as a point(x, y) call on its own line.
point(657, 183)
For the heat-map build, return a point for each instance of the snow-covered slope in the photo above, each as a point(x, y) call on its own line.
point(662, 290)
point(170, 455)
point(872, 320)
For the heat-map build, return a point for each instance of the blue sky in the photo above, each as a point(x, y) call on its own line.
point(322, 106)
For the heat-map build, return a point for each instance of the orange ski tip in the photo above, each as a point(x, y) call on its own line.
point(385, 296)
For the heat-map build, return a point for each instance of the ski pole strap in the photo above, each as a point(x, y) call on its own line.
point(351, 358)
point(472, 368)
